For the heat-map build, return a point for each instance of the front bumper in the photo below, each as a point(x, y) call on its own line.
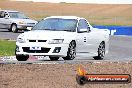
point(39, 49)
point(25, 26)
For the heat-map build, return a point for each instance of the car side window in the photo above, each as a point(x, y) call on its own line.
point(83, 25)
point(2, 14)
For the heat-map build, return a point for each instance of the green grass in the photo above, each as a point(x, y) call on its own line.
point(7, 48)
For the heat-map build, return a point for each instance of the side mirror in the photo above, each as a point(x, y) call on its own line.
point(83, 30)
point(6, 17)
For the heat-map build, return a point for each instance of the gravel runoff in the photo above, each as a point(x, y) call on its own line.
point(59, 75)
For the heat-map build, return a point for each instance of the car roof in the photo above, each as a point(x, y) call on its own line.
point(9, 10)
point(65, 17)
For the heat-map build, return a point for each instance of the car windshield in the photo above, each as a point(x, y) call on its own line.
point(17, 15)
point(57, 24)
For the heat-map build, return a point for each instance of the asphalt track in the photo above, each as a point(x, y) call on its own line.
point(120, 49)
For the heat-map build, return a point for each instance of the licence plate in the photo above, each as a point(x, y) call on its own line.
point(35, 48)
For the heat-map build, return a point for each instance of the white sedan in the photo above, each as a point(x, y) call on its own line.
point(63, 36)
point(14, 21)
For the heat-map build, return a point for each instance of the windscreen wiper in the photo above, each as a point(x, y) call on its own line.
point(68, 30)
point(47, 29)
point(50, 29)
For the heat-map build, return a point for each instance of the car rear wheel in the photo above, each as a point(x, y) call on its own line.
point(22, 57)
point(53, 58)
point(71, 51)
point(14, 28)
point(101, 51)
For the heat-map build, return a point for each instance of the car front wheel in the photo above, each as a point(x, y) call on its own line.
point(101, 52)
point(22, 57)
point(14, 28)
point(71, 51)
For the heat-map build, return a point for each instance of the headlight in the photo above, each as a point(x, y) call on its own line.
point(56, 41)
point(21, 22)
point(21, 40)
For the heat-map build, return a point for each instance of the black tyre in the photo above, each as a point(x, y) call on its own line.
point(22, 57)
point(14, 28)
point(71, 51)
point(101, 52)
point(53, 58)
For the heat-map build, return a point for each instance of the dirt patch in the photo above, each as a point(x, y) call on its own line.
point(95, 13)
point(58, 75)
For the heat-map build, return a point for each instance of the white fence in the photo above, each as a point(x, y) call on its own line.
point(84, 1)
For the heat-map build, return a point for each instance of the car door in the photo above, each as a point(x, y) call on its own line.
point(85, 40)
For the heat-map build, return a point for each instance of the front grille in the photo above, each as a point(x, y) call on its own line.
point(37, 40)
point(41, 40)
point(43, 50)
point(32, 40)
